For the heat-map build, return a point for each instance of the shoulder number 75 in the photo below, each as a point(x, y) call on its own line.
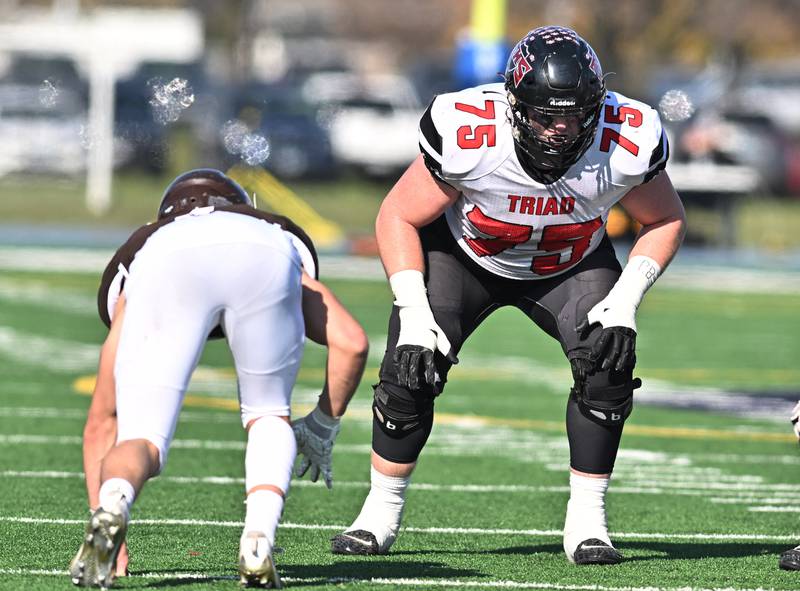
point(469, 138)
point(634, 118)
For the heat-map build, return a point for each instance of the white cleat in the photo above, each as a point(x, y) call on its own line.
point(93, 565)
point(256, 566)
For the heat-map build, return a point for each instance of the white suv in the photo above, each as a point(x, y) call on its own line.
point(372, 120)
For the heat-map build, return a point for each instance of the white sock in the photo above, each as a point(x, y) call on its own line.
point(117, 495)
point(264, 508)
point(586, 512)
point(271, 449)
point(383, 508)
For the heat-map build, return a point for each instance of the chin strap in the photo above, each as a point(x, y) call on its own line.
point(546, 177)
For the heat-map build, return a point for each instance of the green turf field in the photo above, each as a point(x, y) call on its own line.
point(699, 500)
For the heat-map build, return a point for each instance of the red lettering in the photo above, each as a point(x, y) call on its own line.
point(527, 205)
point(504, 235)
point(486, 113)
point(480, 135)
point(634, 116)
point(575, 237)
point(609, 135)
point(551, 206)
point(531, 205)
point(469, 138)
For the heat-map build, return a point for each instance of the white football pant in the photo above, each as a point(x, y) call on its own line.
point(191, 275)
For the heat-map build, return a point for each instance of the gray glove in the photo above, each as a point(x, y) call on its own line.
point(315, 434)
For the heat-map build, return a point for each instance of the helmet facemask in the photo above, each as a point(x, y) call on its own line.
point(554, 138)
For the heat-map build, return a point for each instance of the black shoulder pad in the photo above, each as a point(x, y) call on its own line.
point(658, 160)
point(428, 130)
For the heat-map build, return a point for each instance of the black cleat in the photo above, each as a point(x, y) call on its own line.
point(790, 560)
point(358, 541)
point(594, 551)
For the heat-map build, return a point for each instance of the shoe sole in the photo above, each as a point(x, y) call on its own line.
point(93, 565)
point(790, 561)
point(265, 577)
point(353, 543)
point(597, 555)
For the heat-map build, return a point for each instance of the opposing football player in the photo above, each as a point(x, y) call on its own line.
point(507, 205)
point(211, 266)
point(790, 560)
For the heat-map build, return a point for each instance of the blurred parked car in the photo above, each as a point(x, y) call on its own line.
point(372, 120)
point(43, 116)
point(298, 145)
point(39, 136)
point(723, 137)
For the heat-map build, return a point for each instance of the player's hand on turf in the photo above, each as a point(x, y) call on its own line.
point(315, 434)
point(419, 337)
point(615, 348)
point(795, 419)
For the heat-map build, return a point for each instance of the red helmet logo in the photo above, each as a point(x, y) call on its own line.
point(521, 64)
point(594, 63)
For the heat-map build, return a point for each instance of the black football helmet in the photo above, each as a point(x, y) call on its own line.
point(199, 188)
point(553, 73)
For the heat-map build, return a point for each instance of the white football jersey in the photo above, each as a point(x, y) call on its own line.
point(509, 223)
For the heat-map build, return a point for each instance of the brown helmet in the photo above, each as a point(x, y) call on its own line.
point(199, 188)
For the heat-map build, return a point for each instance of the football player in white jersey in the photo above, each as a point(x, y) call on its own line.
point(507, 205)
point(211, 266)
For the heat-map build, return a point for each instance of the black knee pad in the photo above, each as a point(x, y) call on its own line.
point(402, 422)
point(608, 403)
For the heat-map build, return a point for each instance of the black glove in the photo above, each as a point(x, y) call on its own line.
point(414, 362)
point(615, 348)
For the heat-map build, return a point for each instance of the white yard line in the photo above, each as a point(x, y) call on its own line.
point(392, 582)
point(755, 494)
point(30, 412)
point(655, 462)
point(625, 477)
point(205, 444)
point(41, 351)
point(43, 294)
point(680, 276)
point(546, 533)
